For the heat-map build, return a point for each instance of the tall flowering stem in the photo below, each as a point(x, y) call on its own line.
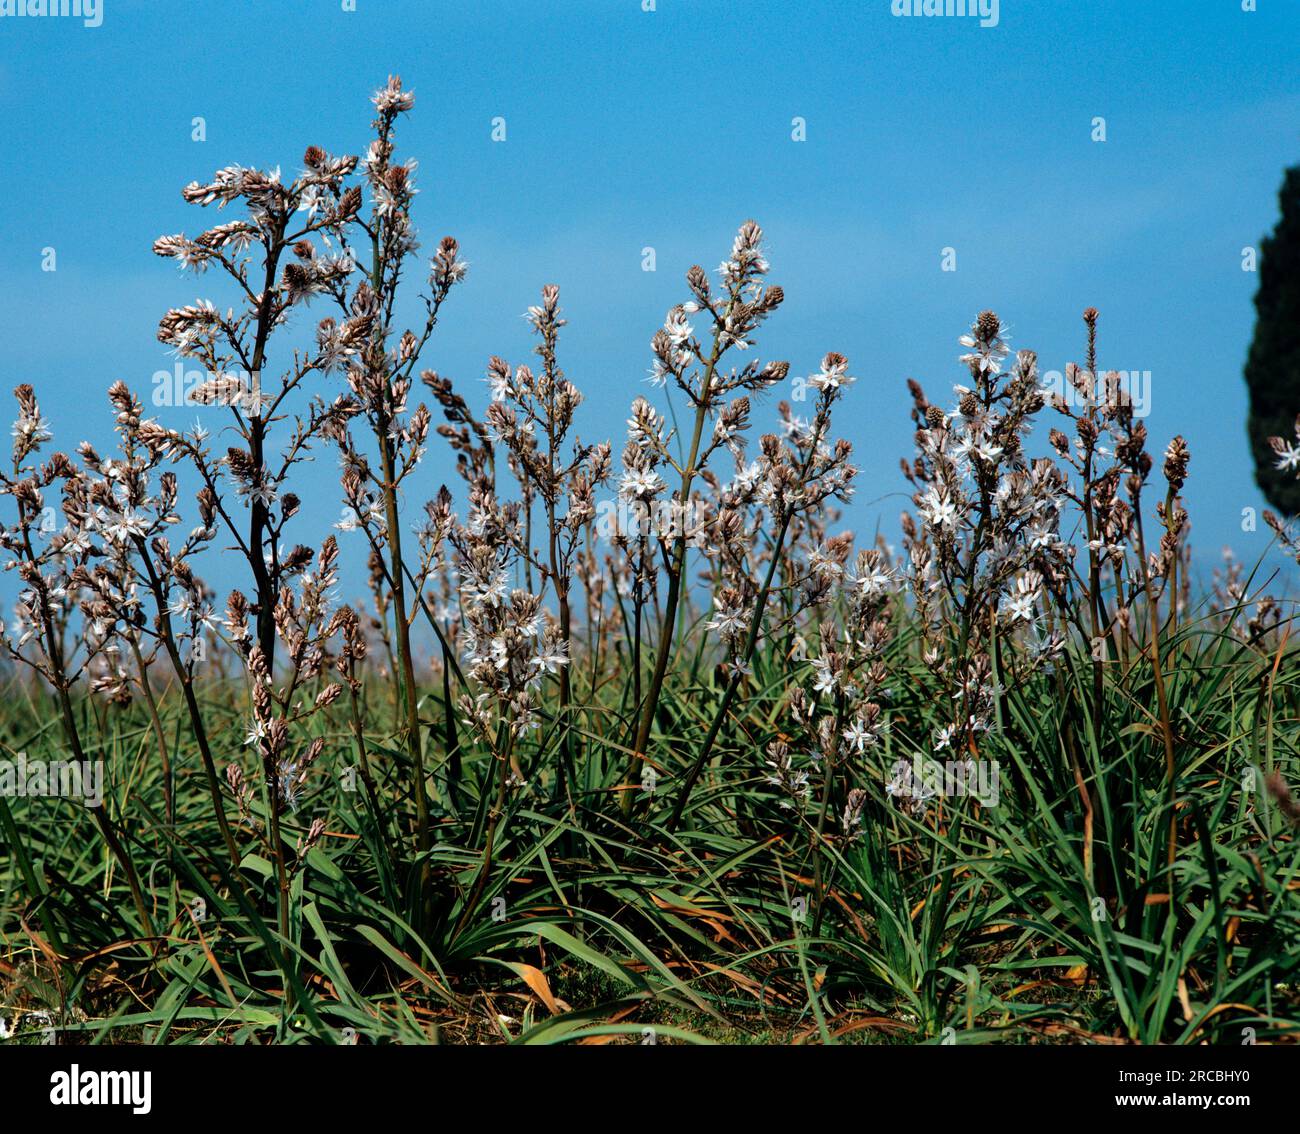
point(680, 357)
point(798, 479)
point(52, 566)
point(380, 378)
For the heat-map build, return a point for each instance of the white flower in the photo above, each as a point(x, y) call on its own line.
point(747, 477)
point(550, 658)
point(489, 592)
point(499, 383)
point(1020, 607)
point(960, 450)
point(124, 525)
point(658, 376)
point(640, 484)
point(728, 619)
point(795, 428)
point(988, 355)
point(1041, 537)
point(858, 735)
point(677, 328)
point(826, 680)
point(1288, 457)
point(263, 494)
point(874, 581)
point(832, 377)
point(824, 565)
point(35, 429)
point(938, 510)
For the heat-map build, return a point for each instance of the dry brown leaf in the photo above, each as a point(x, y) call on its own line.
point(536, 980)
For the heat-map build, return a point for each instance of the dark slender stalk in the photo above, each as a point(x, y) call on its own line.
point(676, 568)
point(169, 799)
point(751, 642)
point(191, 705)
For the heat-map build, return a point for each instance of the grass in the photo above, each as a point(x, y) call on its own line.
point(975, 924)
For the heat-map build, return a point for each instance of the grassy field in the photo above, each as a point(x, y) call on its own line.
point(1051, 917)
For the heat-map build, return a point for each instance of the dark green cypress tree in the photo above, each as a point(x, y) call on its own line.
point(1273, 365)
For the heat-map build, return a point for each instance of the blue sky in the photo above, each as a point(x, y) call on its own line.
point(628, 129)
